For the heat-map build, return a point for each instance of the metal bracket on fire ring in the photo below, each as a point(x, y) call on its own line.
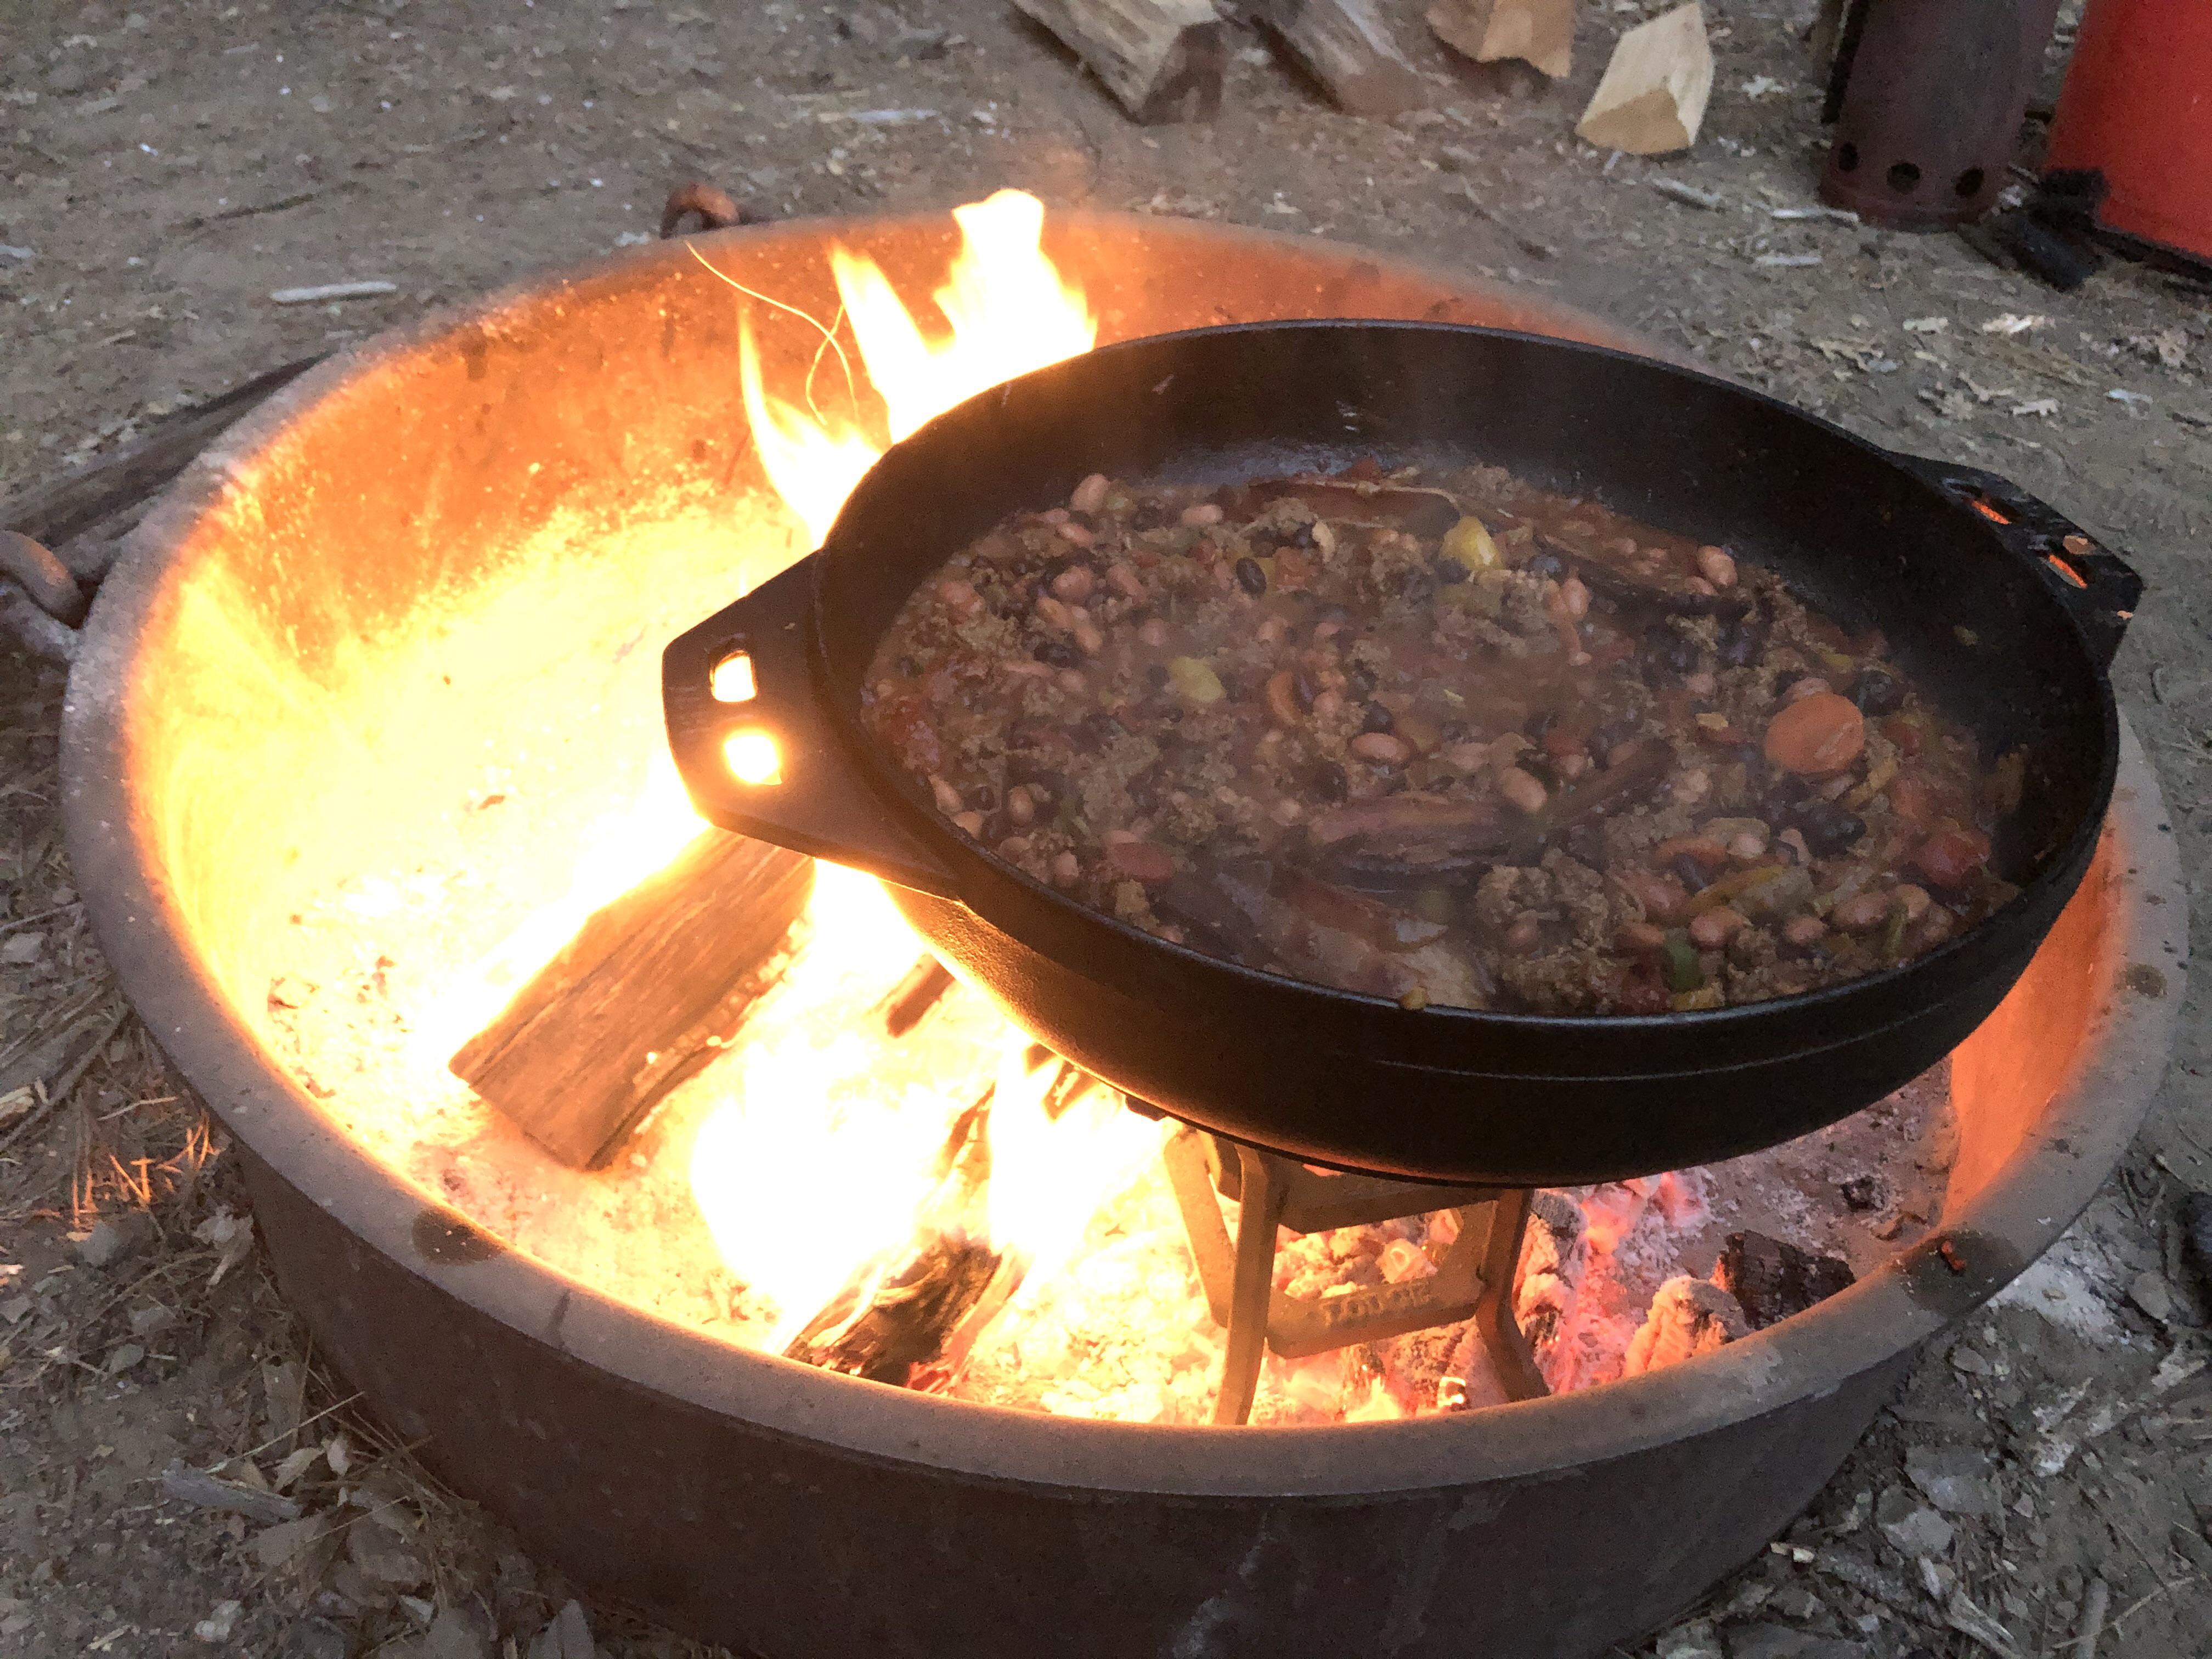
point(1474, 1280)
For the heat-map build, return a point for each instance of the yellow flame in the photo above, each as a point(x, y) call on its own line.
point(1008, 310)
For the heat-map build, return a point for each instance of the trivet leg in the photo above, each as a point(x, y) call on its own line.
point(1510, 1353)
point(1259, 1217)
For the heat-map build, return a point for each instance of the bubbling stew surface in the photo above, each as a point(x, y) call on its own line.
point(1444, 737)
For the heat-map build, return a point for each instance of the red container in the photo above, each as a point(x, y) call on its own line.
point(2137, 107)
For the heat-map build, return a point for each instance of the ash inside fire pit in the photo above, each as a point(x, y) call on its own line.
point(810, 1156)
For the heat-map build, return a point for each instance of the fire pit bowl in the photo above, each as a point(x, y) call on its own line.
point(345, 613)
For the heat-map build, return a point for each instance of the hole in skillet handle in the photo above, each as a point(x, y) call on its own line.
point(776, 764)
point(2098, 587)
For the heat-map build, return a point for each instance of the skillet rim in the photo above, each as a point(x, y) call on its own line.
point(2053, 880)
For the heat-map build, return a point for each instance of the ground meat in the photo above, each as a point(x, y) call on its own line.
point(1454, 740)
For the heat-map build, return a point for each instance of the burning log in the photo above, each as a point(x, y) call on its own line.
point(909, 1320)
point(1688, 1317)
point(1347, 46)
point(910, 1001)
point(641, 998)
point(1152, 54)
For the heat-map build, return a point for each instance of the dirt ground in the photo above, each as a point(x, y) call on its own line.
point(162, 171)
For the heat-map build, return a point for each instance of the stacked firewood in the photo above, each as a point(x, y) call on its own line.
point(1164, 59)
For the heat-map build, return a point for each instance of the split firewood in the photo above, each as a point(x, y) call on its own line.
point(645, 995)
point(1347, 46)
point(1155, 56)
point(1538, 32)
point(1652, 98)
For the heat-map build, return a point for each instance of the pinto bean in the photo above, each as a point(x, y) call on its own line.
point(1662, 897)
point(1574, 598)
point(960, 597)
point(948, 798)
point(1381, 749)
point(1090, 494)
point(1021, 806)
point(1861, 913)
point(1328, 702)
point(1074, 584)
point(1204, 513)
point(1638, 939)
point(1522, 789)
point(1124, 581)
point(1154, 632)
point(1804, 932)
point(1701, 685)
point(970, 822)
point(1088, 640)
point(1076, 533)
point(1715, 928)
point(1717, 566)
point(1950, 857)
point(1053, 614)
point(1805, 685)
point(1816, 735)
point(1708, 855)
point(1913, 901)
point(1065, 869)
point(1524, 935)
point(1283, 698)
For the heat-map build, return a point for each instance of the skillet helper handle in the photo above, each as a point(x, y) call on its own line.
point(750, 673)
point(2098, 586)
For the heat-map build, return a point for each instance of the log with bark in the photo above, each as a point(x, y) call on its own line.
point(1155, 56)
point(1347, 46)
point(644, 996)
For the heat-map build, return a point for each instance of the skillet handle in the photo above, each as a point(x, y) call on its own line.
point(2098, 587)
point(820, 802)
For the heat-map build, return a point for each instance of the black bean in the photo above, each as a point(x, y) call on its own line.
point(1300, 535)
point(1418, 587)
point(1786, 678)
point(997, 826)
point(984, 797)
point(1149, 515)
point(1454, 730)
point(1668, 656)
point(1330, 781)
point(1586, 843)
point(1689, 873)
point(907, 668)
point(1335, 613)
point(1448, 571)
point(1360, 682)
point(1102, 727)
point(1547, 564)
point(1538, 723)
point(1301, 691)
point(1059, 653)
point(1157, 674)
point(1878, 693)
point(1088, 521)
point(1828, 828)
point(1377, 719)
point(1250, 577)
point(1738, 646)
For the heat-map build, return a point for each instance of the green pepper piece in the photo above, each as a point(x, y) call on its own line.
point(1679, 963)
point(1892, 933)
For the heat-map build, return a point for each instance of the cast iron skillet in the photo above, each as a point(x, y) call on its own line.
point(2004, 608)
